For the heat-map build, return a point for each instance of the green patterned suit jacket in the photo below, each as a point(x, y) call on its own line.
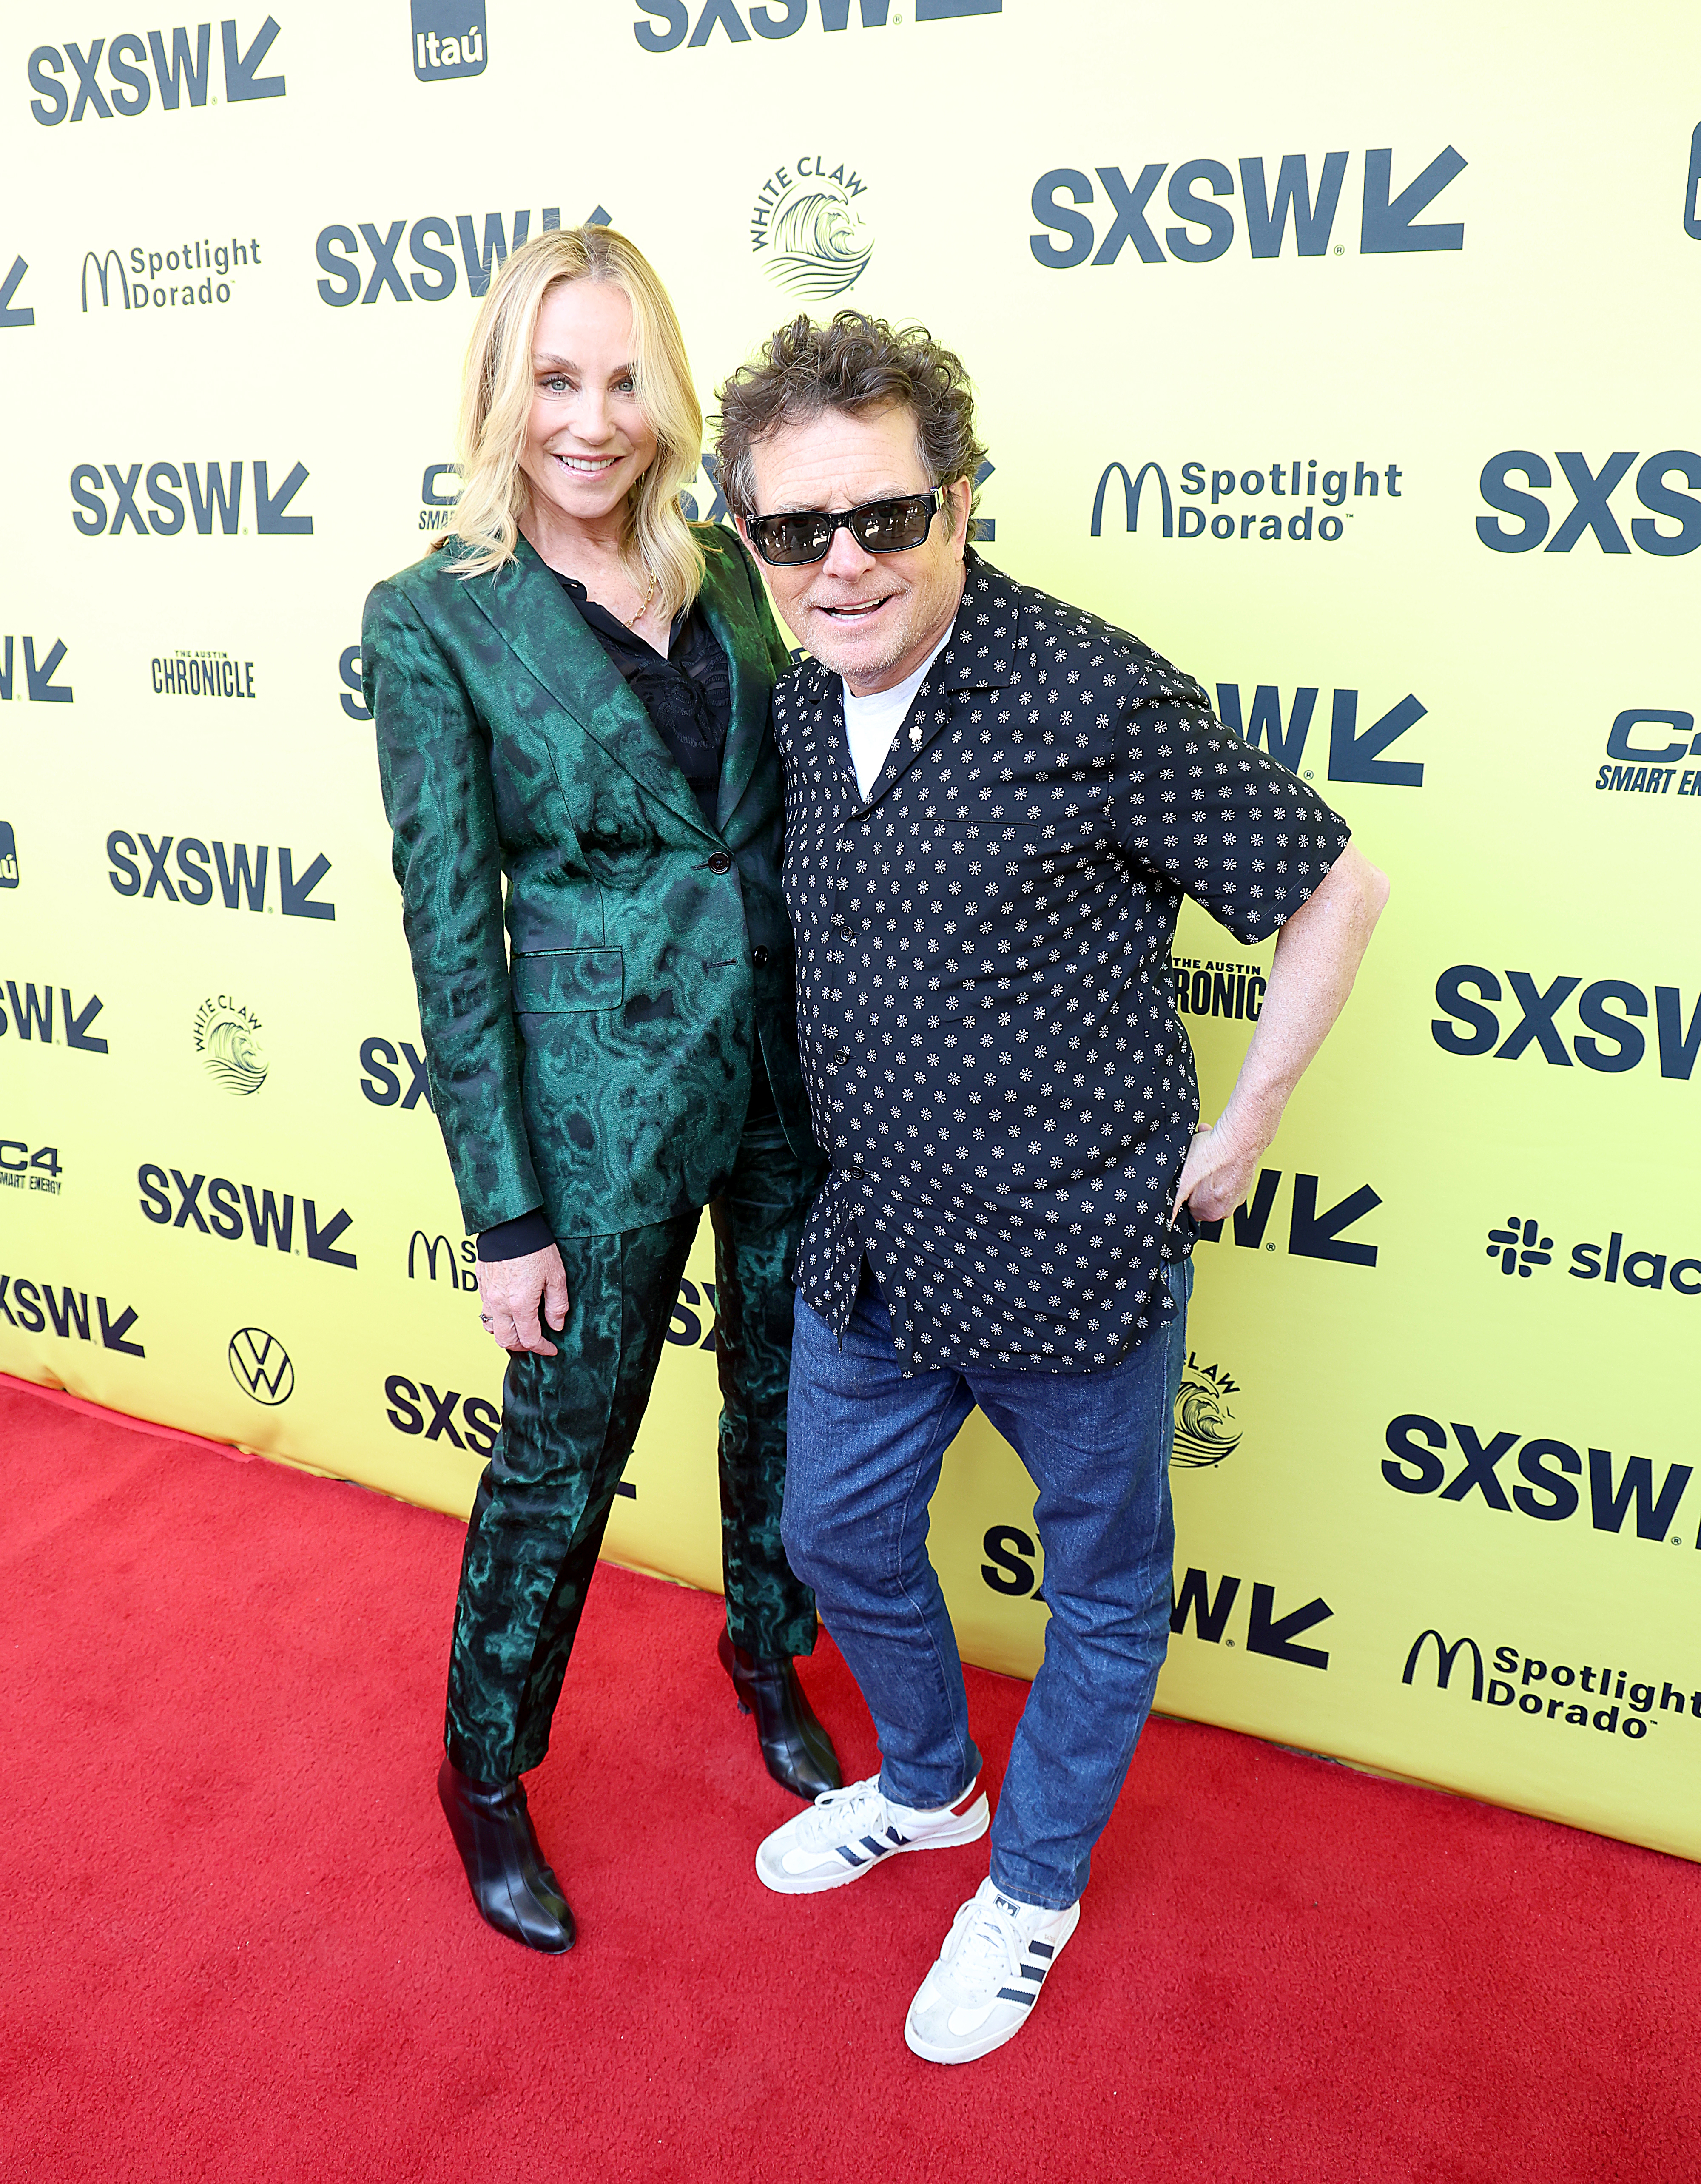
point(604, 1072)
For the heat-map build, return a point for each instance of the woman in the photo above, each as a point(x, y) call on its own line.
point(571, 695)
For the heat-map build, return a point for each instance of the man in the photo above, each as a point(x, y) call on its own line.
point(994, 803)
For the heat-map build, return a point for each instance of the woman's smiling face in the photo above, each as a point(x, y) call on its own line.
point(588, 440)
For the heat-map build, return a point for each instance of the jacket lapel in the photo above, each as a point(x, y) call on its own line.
point(730, 611)
point(980, 655)
point(532, 615)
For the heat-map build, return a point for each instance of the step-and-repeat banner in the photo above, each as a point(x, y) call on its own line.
point(1349, 359)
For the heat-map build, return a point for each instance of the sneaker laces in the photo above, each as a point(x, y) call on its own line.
point(835, 1813)
point(988, 1949)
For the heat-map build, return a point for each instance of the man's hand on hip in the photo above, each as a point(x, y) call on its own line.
point(1215, 1174)
point(509, 1293)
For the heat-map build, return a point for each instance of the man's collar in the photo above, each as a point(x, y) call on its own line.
point(980, 654)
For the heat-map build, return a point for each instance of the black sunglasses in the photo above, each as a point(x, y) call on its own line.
point(878, 527)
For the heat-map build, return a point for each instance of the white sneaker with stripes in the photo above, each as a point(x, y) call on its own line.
point(847, 1833)
point(982, 1991)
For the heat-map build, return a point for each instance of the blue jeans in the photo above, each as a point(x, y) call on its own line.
point(865, 1447)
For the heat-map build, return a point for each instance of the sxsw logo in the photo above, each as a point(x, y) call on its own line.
point(1420, 1450)
point(1590, 513)
point(353, 693)
point(449, 39)
point(1612, 1039)
point(383, 1085)
point(267, 1223)
point(33, 1011)
point(672, 18)
point(39, 686)
point(1311, 1234)
point(241, 874)
point(1645, 747)
point(1267, 1633)
point(182, 72)
point(1386, 224)
point(430, 246)
point(11, 313)
point(1355, 754)
point(222, 494)
point(409, 1401)
point(68, 1309)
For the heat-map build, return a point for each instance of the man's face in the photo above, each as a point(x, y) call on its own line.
point(872, 617)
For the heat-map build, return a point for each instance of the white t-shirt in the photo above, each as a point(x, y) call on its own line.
point(872, 723)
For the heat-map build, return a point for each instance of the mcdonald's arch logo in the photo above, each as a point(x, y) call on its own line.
point(1131, 490)
point(104, 267)
point(1446, 1655)
point(460, 1276)
point(260, 1367)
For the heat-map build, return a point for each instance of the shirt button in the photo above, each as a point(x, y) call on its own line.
point(720, 862)
point(759, 957)
point(856, 1172)
point(841, 1057)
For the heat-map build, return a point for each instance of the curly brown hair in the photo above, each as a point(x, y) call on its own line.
point(855, 363)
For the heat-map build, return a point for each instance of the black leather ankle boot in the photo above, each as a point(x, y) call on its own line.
point(514, 1889)
point(797, 1749)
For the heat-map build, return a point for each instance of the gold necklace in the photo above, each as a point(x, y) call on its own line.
point(632, 620)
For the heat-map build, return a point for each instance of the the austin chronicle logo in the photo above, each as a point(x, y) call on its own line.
point(260, 1366)
point(225, 1038)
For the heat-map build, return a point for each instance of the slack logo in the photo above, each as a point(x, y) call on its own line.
point(449, 39)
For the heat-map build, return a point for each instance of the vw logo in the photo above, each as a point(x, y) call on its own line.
point(260, 1366)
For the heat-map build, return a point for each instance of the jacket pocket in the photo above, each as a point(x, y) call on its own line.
point(568, 981)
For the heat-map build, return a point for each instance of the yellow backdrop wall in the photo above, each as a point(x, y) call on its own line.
point(1348, 358)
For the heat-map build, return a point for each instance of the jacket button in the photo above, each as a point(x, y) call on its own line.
point(720, 862)
point(759, 957)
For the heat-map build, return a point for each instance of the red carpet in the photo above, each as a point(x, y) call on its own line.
point(238, 1945)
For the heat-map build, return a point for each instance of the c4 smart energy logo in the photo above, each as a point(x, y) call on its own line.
point(449, 39)
point(1646, 748)
point(808, 229)
point(1205, 1429)
point(227, 1039)
point(260, 1366)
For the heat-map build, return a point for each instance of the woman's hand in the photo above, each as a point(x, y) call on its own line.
point(510, 1292)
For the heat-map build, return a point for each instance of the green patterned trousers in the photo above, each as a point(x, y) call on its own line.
point(568, 1425)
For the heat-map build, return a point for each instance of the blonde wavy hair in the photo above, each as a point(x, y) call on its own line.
point(496, 402)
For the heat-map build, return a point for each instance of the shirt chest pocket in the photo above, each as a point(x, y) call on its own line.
point(568, 981)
